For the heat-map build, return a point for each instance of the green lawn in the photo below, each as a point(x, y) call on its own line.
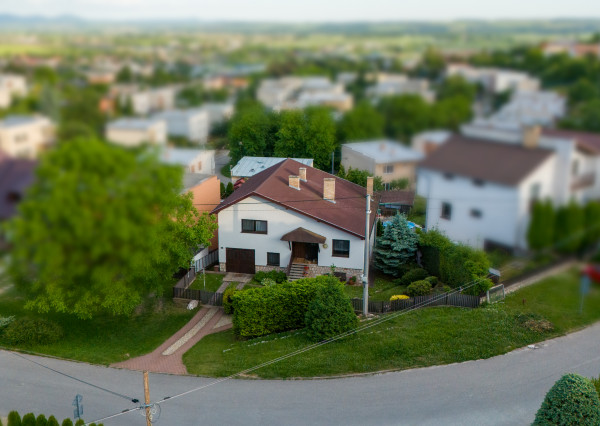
point(104, 339)
point(213, 282)
point(383, 288)
point(421, 338)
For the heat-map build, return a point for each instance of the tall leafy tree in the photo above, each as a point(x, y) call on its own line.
point(360, 123)
point(101, 228)
point(397, 246)
point(457, 86)
point(252, 132)
point(404, 116)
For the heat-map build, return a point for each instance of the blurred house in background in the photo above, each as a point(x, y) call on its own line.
point(396, 201)
point(429, 141)
point(249, 166)
point(26, 136)
point(494, 80)
point(218, 112)
point(400, 84)
point(11, 86)
point(206, 195)
point(131, 132)
point(192, 124)
point(99, 76)
point(192, 160)
point(480, 185)
point(571, 48)
point(384, 158)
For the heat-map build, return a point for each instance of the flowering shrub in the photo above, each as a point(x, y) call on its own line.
point(399, 297)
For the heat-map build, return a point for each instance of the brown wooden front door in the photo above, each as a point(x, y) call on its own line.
point(239, 260)
point(298, 250)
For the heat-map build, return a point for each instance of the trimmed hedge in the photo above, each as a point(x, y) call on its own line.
point(266, 310)
point(571, 401)
point(419, 288)
point(227, 295)
point(26, 331)
point(330, 313)
point(277, 276)
point(413, 275)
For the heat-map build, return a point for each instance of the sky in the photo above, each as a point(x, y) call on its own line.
point(306, 10)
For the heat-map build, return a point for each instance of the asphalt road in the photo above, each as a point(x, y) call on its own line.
point(504, 390)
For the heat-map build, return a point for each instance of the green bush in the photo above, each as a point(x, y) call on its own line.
point(5, 321)
point(227, 295)
point(412, 276)
point(14, 419)
point(329, 314)
point(432, 280)
point(419, 288)
point(41, 420)
point(268, 282)
point(28, 420)
point(267, 310)
point(571, 401)
point(67, 422)
point(596, 383)
point(52, 421)
point(25, 331)
point(277, 276)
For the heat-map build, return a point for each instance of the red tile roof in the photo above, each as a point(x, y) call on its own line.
point(272, 184)
point(584, 140)
point(503, 163)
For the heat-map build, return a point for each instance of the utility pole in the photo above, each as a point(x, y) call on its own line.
point(332, 157)
point(366, 266)
point(147, 398)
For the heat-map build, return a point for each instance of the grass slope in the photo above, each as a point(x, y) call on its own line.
point(417, 339)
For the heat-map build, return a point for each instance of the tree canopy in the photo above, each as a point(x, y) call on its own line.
point(100, 228)
point(363, 122)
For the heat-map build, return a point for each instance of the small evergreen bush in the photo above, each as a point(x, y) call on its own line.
point(28, 420)
point(41, 420)
point(25, 331)
point(412, 276)
point(52, 421)
point(329, 314)
point(571, 401)
point(277, 276)
point(67, 422)
point(419, 288)
point(14, 419)
point(227, 295)
point(432, 280)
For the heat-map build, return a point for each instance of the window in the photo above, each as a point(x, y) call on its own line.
point(388, 168)
point(341, 248)
point(476, 213)
point(478, 182)
point(446, 211)
point(448, 176)
point(273, 259)
point(254, 226)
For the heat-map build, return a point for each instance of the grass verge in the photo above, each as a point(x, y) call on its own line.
point(213, 282)
point(421, 338)
point(383, 288)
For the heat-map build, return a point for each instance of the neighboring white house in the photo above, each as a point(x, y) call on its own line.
point(192, 124)
point(26, 136)
point(11, 85)
point(400, 84)
point(494, 80)
point(297, 216)
point(218, 112)
point(144, 102)
point(480, 184)
point(249, 166)
point(387, 159)
point(192, 160)
point(132, 132)
point(532, 107)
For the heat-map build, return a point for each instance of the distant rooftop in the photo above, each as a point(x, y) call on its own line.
point(181, 156)
point(19, 120)
point(172, 113)
point(249, 166)
point(385, 151)
point(132, 123)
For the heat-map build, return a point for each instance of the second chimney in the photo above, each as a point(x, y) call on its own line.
point(329, 189)
point(302, 173)
point(370, 185)
point(531, 136)
point(295, 182)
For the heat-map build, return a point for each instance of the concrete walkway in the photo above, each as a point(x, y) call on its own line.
point(167, 358)
point(235, 277)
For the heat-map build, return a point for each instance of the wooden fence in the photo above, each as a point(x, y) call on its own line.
point(447, 299)
point(206, 297)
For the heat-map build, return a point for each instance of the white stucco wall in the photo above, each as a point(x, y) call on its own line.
point(155, 134)
point(27, 140)
point(280, 221)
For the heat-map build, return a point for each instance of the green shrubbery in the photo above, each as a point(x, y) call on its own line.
point(413, 275)
point(277, 276)
point(29, 419)
point(266, 310)
point(227, 295)
point(330, 313)
point(397, 246)
point(572, 400)
point(25, 331)
point(419, 288)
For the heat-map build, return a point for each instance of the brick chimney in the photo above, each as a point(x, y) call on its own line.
point(329, 189)
point(370, 185)
point(295, 182)
point(531, 136)
point(302, 174)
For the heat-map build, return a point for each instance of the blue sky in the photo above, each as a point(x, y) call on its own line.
point(306, 10)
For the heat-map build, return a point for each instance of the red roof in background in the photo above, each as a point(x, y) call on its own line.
point(272, 184)
point(585, 140)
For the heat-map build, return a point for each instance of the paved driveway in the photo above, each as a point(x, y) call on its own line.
point(504, 390)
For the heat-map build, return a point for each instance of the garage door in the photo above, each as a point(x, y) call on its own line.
point(239, 260)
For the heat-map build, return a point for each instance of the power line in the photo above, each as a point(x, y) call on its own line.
point(134, 400)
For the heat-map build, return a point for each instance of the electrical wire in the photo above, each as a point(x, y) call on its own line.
point(134, 400)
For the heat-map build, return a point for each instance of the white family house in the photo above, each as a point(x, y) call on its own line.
point(132, 132)
point(494, 80)
point(11, 85)
point(400, 84)
point(25, 136)
point(297, 219)
point(192, 124)
point(481, 185)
